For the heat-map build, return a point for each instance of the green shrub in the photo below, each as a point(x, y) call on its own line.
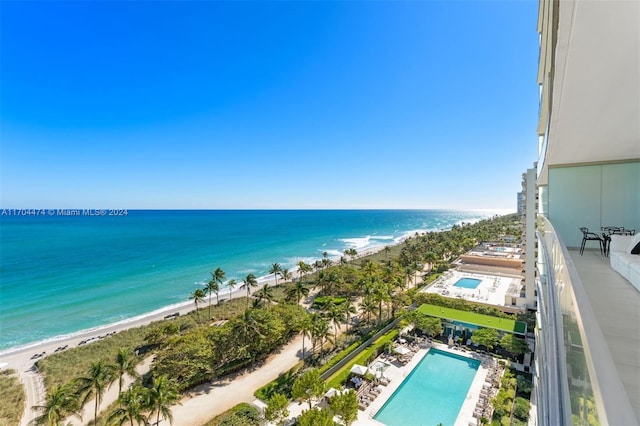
point(282, 385)
point(524, 385)
point(341, 376)
point(241, 415)
point(521, 409)
point(321, 301)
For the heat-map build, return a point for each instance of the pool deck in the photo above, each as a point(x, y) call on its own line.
point(397, 373)
point(492, 289)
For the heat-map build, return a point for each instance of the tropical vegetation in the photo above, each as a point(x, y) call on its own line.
point(353, 299)
point(13, 398)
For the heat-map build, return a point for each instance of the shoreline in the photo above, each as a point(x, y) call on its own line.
point(365, 244)
point(19, 357)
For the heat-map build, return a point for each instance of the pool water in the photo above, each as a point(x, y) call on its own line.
point(468, 283)
point(433, 393)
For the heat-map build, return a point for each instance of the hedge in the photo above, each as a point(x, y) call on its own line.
point(341, 375)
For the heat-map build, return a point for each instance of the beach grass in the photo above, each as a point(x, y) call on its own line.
point(241, 415)
point(13, 398)
point(62, 367)
point(383, 255)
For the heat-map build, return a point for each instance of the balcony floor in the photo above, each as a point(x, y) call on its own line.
point(616, 304)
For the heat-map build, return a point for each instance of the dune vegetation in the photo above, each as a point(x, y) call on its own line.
point(216, 340)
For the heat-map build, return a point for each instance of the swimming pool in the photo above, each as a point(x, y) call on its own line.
point(433, 393)
point(468, 283)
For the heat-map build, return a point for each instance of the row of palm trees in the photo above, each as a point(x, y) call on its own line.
point(137, 403)
point(213, 286)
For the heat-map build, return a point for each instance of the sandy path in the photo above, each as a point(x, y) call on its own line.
point(207, 401)
point(110, 395)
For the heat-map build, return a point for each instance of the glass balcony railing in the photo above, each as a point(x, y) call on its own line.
point(577, 381)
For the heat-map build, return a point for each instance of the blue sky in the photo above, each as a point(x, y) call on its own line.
point(287, 104)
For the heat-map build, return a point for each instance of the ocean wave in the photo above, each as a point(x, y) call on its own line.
point(356, 243)
point(332, 253)
point(382, 237)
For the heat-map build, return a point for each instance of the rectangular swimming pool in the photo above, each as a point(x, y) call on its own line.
point(433, 393)
point(468, 283)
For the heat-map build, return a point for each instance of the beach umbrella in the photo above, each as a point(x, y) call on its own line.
point(401, 350)
point(331, 392)
point(358, 369)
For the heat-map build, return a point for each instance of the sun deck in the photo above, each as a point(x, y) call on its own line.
point(497, 290)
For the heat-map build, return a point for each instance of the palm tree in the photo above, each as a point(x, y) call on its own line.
point(213, 286)
point(248, 282)
point(297, 291)
point(164, 394)
point(370, 269)
point(303, 268)
point(351, 252)
point(232, 283)
point(95, 383)
point(131, 407)
point(368, 307)
point(275, 270)
point(285, 275)
point(306, 326)
point(61, 402)
point(325, 262)
point(320, 331)
point(256, 303)
point(265, 293)
point(387, 250)
point(197, 296)
point(125, 364)
point(335, 316)
point(348, 309)
point(380, 295)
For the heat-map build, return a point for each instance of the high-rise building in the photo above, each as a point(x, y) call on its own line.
point(529, 208)
point(587, 367)
point(520, 201)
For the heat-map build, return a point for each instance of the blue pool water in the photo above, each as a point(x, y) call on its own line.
point(468, 283)
point(433, 393)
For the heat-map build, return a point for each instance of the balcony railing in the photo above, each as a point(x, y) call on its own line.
point(577, 381)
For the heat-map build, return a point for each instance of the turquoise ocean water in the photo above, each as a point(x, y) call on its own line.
point(61, 274)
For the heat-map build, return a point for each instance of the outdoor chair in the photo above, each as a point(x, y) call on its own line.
point(589, 236)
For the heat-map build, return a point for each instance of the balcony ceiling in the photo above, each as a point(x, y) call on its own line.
point(595, 115)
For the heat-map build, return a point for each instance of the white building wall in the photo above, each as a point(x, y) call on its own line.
point(530, 238)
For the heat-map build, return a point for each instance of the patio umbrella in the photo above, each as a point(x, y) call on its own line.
point(401, 350)
point(331, 392)
point(358, 369)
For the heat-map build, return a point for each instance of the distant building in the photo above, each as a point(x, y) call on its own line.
point(520, 202)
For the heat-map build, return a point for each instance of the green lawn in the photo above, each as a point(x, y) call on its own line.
point(502, 324)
